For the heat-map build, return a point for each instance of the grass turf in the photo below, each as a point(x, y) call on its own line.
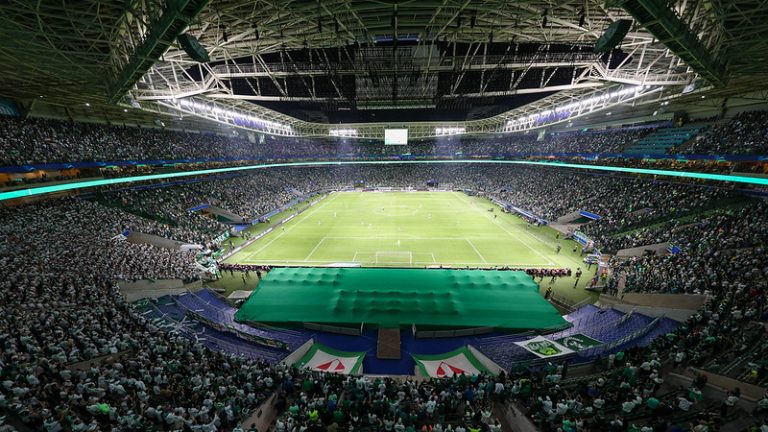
point(415, 229)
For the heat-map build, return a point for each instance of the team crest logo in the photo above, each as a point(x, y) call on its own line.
point(446, 370)
point(334, 365)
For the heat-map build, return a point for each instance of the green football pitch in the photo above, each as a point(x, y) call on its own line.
point(409, 229)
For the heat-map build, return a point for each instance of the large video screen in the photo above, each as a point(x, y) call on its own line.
point(395, 136)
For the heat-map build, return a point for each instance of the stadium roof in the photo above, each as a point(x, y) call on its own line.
point(303, 63)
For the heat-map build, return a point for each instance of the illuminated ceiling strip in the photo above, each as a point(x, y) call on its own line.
point(21, 193)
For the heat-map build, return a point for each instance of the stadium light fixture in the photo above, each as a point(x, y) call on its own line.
point(564, 111)
point(445, 131)
point(238, 118)
point(347, 133)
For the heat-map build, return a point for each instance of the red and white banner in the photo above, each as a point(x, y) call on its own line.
point(321, 358)
point(457, 362)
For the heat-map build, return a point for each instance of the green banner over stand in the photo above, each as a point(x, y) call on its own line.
point(578, 342)
point(543, 347)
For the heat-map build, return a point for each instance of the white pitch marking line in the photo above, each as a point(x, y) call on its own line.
point(448, 265)
point(474, 206)
point(314, 249)
point(476, 251)
point(400, 236)
point(307, 215)
point(354, 257)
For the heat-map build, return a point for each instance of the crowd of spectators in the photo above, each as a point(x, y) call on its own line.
point(746, 133)
point(60, 305)
point(723, 251)
point(69, 236)
point(329, 402)
point(592, 141)
point(621, 202)
point(39, 140)
point(169, 206)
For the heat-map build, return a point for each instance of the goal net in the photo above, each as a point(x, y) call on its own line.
point(394, 258)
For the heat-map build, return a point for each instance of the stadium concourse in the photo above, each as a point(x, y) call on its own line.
point(366, 216)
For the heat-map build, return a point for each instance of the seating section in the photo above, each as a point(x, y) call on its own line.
point(182, 362)
point(207, 305)
point(169, 314)
point(617, 331)
point(744, 134)
point(663, 139)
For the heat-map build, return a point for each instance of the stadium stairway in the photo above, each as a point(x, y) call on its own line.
point(388, 346)
point(225, 215)
point(209, 306)
point(656, 248)
point(660, 141)
point(568, 218)
point(147, 288)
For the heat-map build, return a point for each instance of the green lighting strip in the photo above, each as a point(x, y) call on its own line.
point(42, 190)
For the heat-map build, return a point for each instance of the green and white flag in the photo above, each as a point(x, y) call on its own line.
point(447, 365)
point(578, 342)
point(322, 358)
point(544, 348)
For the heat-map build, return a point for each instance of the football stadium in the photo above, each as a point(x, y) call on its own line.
point(398, 216)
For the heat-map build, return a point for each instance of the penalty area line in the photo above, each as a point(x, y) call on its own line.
point(476, 251)
point(290, 227)
point(531, 248)
point(314, 249)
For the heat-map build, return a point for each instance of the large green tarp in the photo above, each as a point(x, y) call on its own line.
point(432, 298)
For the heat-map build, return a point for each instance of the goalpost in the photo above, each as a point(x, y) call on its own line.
point(394, 258)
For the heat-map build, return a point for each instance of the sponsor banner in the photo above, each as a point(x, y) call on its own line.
point(511, 208)
point(578, 342)
point(272, 343)
point(544, 348)
point(321, 358)
point(221, 238)
point(263, 233)
point(589, 215)
point(450, 364)
point(581, 238)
